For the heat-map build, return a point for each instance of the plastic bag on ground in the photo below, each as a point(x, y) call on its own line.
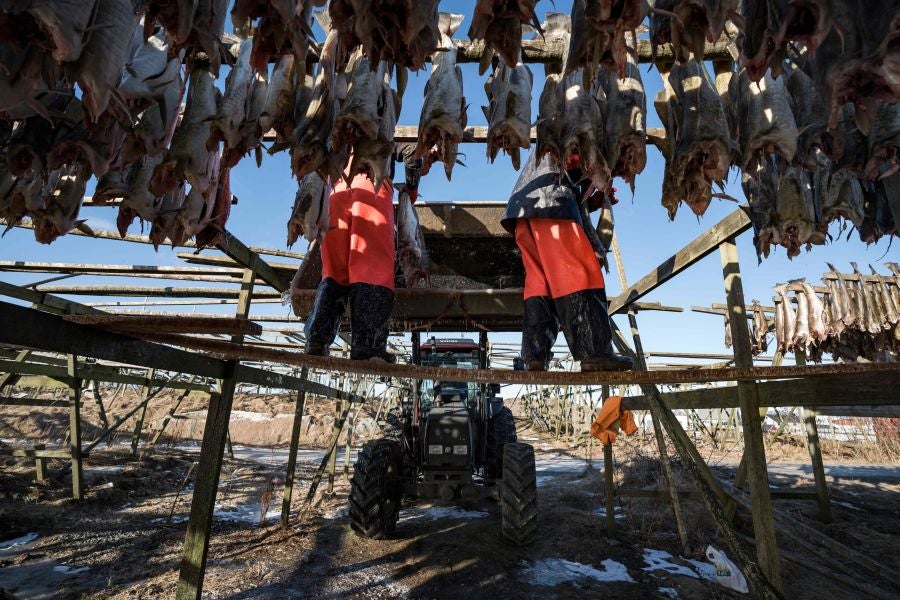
point(727, 573)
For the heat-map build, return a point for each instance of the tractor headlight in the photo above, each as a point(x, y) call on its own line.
point(435, 449)
point(460, 450)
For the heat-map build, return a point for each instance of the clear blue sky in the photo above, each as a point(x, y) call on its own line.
point(645, 234)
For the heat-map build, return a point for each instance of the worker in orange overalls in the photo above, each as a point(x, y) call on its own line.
point(563, 281)
point(358, 266)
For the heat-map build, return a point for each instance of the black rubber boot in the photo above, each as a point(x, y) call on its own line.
point(585, 323)
point(324, 320)
point(540, 326)
point(370, 319)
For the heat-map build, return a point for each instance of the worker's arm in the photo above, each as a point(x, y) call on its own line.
point(405, 153)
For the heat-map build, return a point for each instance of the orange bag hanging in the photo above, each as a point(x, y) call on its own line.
point(610, 419)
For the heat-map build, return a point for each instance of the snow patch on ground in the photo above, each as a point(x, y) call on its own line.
point(846, 505)
point(618, 514)
point(660, 560)
point(434, 513)
point(542, 479)
point(337, 513)
point(668, 592)
point(247, 513)
point(551, 572)
point(706, 570)
point(67, 570)
point(19, 541)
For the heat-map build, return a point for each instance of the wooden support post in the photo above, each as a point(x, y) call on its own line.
point(641, 365)
point(206, 485)
point(75, 427)
point(815, 453)
point(740, 476)
point(354, 411)
point(40, 464)
point(139, 421)
point(184, 394)
point(292, 453)
point(100, 408)
point(228, 445)
point(339, 409)
point(754, 448)
point(206, 482)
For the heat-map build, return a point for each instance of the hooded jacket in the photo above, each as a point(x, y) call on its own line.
point(542, 192)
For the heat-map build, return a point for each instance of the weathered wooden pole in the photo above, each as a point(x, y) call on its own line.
point(754, 448)
point(206, 483)
point(75, 426)
point(139, 421)
point(641, 365)
point(40, 464)
point(169, 415)
point(95, 389)
point(815, 452)
point(339, 409)
point(292, 452)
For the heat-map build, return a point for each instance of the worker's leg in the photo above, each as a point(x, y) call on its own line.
point(330, 303)
point(371, 270)
point(540, 325)
point(576, 285)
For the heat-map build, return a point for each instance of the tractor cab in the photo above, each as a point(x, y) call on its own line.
point(452, 353)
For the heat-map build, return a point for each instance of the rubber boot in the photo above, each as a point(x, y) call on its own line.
point(324, 320)
point(585, 323)
point(540, 326)
point(370, 319)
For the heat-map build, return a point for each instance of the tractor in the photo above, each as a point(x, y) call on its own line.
point(449, 441)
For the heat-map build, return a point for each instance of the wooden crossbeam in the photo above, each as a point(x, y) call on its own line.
point(157, 324)
point(96, 269)
point(143, 239)
point(732, 225)
point(285, 269)
point(246, 257)
point(153, 292)
point(829, 391)
point(48, 301)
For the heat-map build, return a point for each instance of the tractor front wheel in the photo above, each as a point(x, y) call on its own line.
point(375, 490)
point(518, 494)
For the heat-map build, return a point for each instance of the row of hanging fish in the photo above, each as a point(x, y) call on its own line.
point(816, 92)
point(851, 316)
point(129, 128)
point(595, 120)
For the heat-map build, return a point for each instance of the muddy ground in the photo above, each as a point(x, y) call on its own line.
point(125, 539)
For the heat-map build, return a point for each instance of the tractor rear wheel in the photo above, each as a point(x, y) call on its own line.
point(375, 490)
point(518, 494)
point(501, 431)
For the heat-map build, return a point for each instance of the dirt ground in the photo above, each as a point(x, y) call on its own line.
point(125, 539)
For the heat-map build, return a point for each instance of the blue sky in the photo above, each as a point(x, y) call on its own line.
point(646, 235)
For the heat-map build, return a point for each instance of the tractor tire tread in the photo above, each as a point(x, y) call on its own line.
point(518, 494)
point(374, 500)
